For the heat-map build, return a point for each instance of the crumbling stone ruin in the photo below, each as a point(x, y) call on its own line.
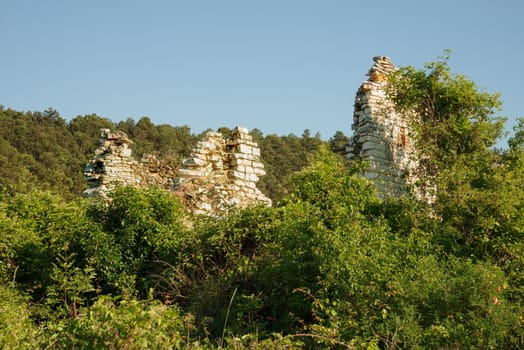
point(222, 173)
point(114, 165)
point(219, 175)
point(381, 136)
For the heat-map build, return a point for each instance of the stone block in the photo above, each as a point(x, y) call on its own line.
point(194, 162)
point(246, 156)
point(240, 159)
point(259, 171)
point(240, 130)
point(251, 196)
point(241, 137)
point(245, 149)
point(239, 182)
point(199, 155)
point(236, 161)
point(252, 177)
point(215, 157)
point(211, 176)
point(218, 165)
point(190, 173)
point(250, 184)
point(204, 206)
point(241, 168)
point(239, 175)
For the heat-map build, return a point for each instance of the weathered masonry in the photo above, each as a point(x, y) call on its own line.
point(220, 174)
point(113, 164)
point(381, 136)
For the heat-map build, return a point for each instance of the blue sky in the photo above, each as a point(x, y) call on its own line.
point(281, 66)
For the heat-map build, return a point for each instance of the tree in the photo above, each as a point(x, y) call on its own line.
point(283, 155)
point(145, 136)
point(338, 142)
point(174, 143)
point(126, 125)
point(479, 196)
point(516, 143)
point(40, 143)
point(140, 227)
point(17, 330)
point(452, 118)
point(86, 131)
point(225, 131)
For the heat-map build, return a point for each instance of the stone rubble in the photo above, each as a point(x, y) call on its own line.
point(381, 136)
point(220, 174)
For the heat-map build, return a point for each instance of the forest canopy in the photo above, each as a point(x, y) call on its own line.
point(330, 265)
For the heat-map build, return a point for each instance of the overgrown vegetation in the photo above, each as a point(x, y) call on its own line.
point(330, 266)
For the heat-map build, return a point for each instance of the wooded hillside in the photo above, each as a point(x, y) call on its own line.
point(40, 150)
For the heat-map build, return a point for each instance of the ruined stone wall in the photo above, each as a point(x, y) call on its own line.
point(381, 136)
point(220, 173)
point(113, 164)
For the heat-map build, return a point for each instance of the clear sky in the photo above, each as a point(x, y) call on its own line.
point(282, 66)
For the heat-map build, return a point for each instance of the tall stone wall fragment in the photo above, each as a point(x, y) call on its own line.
point(221, 174)
point(382, 136)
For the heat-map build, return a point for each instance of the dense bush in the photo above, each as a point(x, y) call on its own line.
point(332, 266)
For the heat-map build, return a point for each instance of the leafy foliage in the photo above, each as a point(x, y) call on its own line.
point(330, 266)
point(129, 325)
point(478, 189)
point(17, 330)
point(283, 155)
point(452, 118)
